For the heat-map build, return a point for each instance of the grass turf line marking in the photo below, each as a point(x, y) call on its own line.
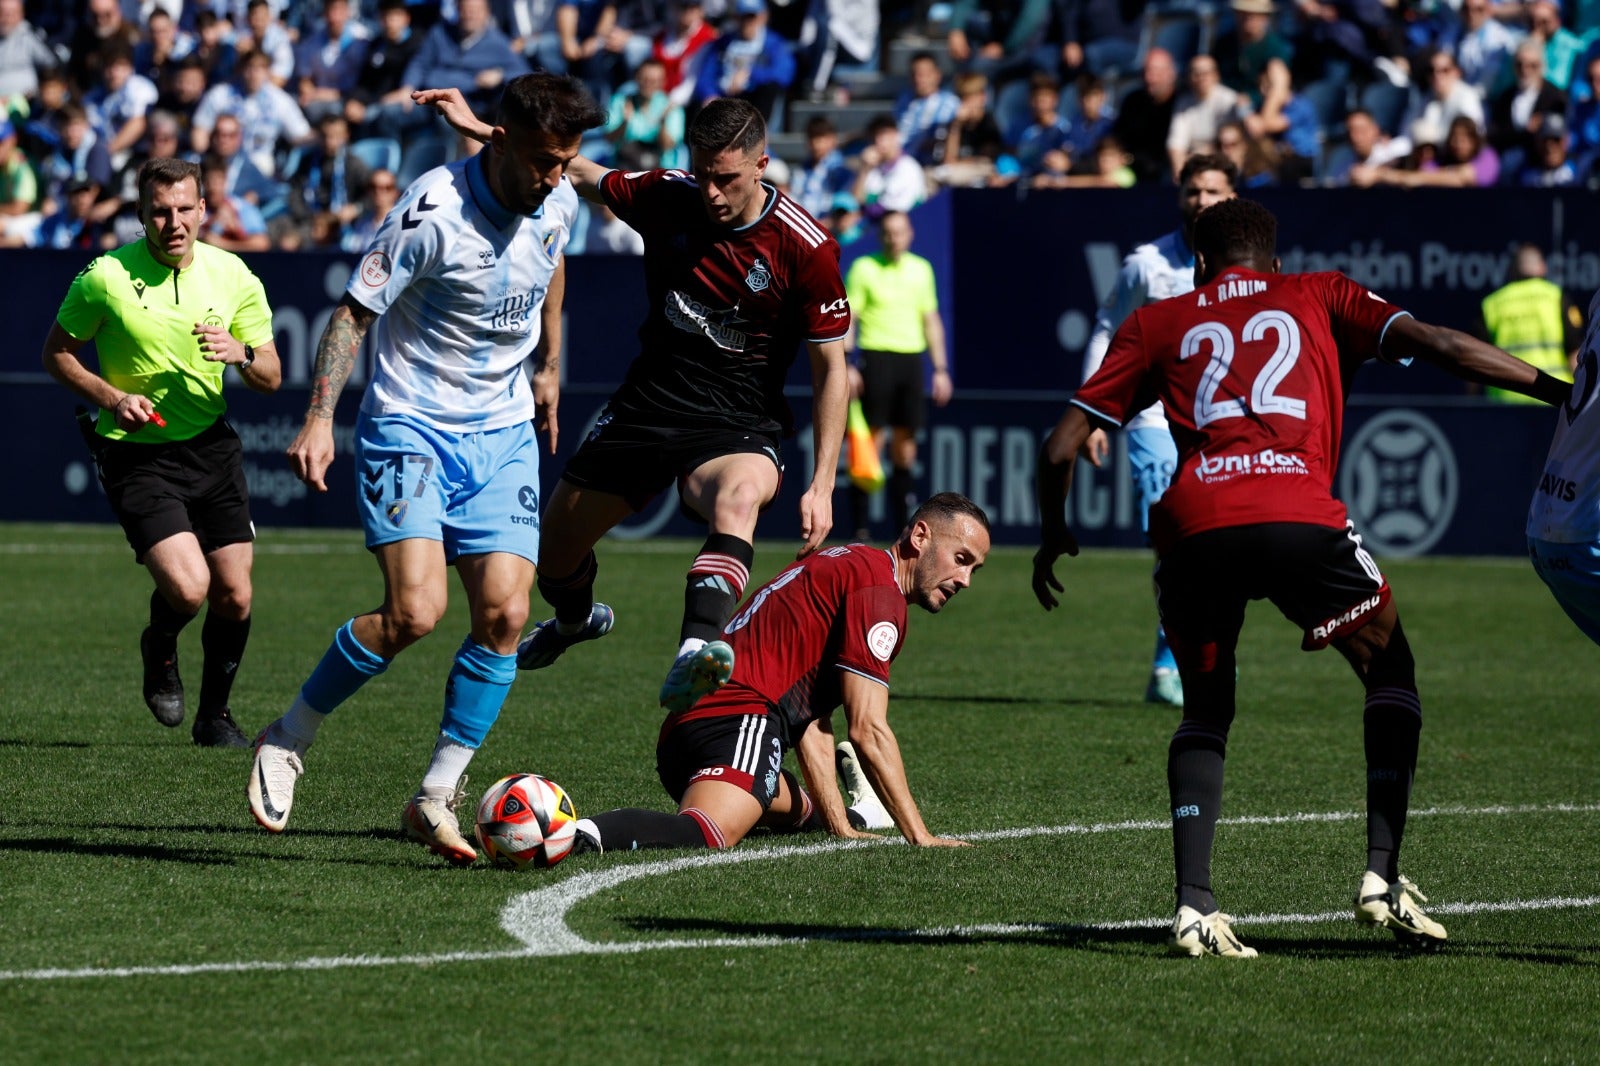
point(538, 918)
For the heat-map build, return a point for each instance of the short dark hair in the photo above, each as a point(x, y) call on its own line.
point(1201, 162)
point(880, 123)
point(919, 57)
point(728, 123)
point(211, 163)
point(947, 507)
point(165, 172)
point(1235, 231)
point(549, 103)
point(819, 126)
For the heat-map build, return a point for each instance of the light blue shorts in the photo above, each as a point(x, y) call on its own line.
point(1573, 573)
point(1152, 456)
point(476, 492)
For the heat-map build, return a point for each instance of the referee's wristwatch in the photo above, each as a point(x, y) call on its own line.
point(249, 357)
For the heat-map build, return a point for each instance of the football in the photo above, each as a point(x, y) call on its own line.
point(525, 820)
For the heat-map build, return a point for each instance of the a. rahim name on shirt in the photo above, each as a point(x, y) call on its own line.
point(1266, 461)
point(692, 316)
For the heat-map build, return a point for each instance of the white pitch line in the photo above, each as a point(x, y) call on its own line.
point(538, 918)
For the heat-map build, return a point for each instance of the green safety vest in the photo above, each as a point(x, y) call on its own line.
point(1525, 318)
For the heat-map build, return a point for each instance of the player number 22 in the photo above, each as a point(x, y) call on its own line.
point(1264, 396)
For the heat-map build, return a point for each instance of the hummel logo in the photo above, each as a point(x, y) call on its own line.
point(422, 206)
point(374, 484)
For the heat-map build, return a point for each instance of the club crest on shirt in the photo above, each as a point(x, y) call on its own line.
point(551, 245)
point(396, 512)
point(759, 277)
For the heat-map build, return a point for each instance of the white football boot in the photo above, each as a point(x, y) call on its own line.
point(1194, 933)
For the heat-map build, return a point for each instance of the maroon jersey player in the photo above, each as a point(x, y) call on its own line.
point(820, 635)
point(738, 277)
point(1253, 368)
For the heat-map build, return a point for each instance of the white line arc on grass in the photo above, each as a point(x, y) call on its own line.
point(538, 918)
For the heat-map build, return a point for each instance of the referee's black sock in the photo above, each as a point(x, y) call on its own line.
point(222, 640)
point(1392, 723)
point(902, 497)
point(715, 584)
point(166, 622)
point(572, 595)
point(1194, 782)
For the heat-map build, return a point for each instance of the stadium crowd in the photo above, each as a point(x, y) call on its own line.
point(301, 115)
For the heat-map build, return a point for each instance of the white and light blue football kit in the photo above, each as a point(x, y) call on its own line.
point(1155, 271)
point(1564, 518)
point(458, 282)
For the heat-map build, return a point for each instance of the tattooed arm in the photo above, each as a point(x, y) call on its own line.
point(311, 452)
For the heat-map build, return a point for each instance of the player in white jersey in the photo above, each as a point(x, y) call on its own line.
point(1564, 520)
point(462, 279)
point(1151, 272)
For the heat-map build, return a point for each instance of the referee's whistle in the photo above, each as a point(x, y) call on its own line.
point(155, 416)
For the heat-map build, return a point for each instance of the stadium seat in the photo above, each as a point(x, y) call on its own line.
point(426, 152)
point(1387, 103)
point(1327, 98)
point(378, 153)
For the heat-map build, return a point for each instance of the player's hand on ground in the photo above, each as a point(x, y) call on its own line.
point(1095, 447)
point(816, 520)
point(1044, 568)
point(218, 344)
point(133, 411)
point(850, 832)
point(944, 842)
point(311, 452)
point(546, 397)
point(452, 107)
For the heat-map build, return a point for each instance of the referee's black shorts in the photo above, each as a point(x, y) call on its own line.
point(192, 486)
point(636, 461)
point(892, 392)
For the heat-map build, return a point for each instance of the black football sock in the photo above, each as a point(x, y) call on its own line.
point(1194, 781)
point(571, 595)
point(1391, 725)
point(902, 497)
point(632, 828)
point(715, 584)
point(223, 641)
point(166, 622)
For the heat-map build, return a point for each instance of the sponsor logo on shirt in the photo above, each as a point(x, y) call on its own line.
point(692, 316)
point(881, 640)
point(512, 315)
point(837, 308)
point(375, 269)
point(1213, 469)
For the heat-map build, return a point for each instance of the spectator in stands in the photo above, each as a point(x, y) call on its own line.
point(264, 32)
point(123, 99)
point(1561, 46)
point(1583, 119)
point(1366, 146)
point(925, 110)
point(231, 222)
point(889, 179)
point(181, 96)
point(382, 192)
point(643, 124)
point(1255, 158)
point(681, 46)
point(19, 191)
point(844, 219)
point(1199, 112)
point(751, 63)
point(469, 54)
point(103, 25)
point(531, 26)
point(23, 53)
point(847, 29)
point(1548, 165)
point(1289, 121)
point(244, 178)
point(1099, 36)
point(74, 225)
point(380, 104)
point(1516, 113)
point(1243, 52)
point(1043, 146)
point(80, 155)
point(1465, 162)
point(329, 62)
point(215, 48)
point(1109, 170)
point(1484, 47)
point(266, 113)
point(974, 145)
point(325, 189)
point(1004, 40)
point(156, 56)
point(1344, 39)
point(1447, 96)
point(815, 182)
point(609, 235)
point(1146, 116)
point(584, 27)
point(1090, 124)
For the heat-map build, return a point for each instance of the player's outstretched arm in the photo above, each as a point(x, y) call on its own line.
point(452, 107)
point(1471, 359)
point(311, 451)
point(1052, 482)
point(866, 704)
point(814, 752)
point(830, 390)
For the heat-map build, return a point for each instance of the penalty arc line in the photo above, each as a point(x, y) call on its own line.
point(538, 918)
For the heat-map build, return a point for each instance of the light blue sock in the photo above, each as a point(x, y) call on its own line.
point(345, 667)
point(475, 691)
point(1164, 659)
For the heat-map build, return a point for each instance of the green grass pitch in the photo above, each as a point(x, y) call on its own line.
point(147, 918)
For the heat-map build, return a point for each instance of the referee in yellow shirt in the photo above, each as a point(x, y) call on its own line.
point(166, 315)
point(895, 323)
